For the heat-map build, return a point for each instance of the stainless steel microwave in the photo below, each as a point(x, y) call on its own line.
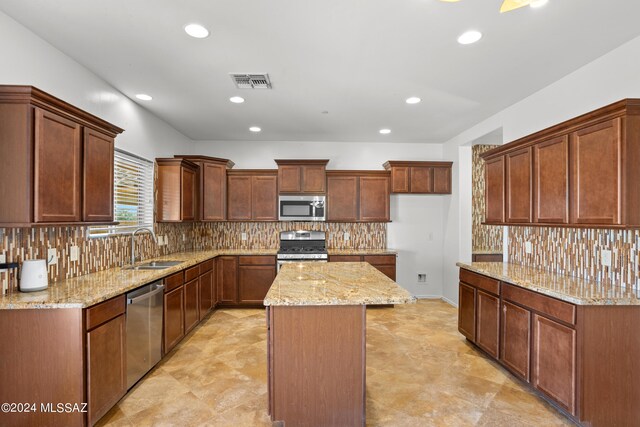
point(302, 208)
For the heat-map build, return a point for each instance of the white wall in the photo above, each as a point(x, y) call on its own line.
point(612, 77)
point(416, 227)
point(29, 60)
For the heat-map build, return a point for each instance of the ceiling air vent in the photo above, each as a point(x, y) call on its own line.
point(251, 81)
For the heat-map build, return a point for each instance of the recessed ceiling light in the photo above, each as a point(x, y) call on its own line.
point(196, 30)
point(470, 37)
point(413, 100)
point(236, 99)
point(385, 131)
point(144, 97)
point(538, 3)
point(255, 129)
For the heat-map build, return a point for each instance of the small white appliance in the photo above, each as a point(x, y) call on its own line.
point(33, 275)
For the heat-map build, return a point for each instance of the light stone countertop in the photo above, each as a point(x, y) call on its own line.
point(339, 283)
point(565, 288)
point(480, 251)
point(85, 291)
point(362, 252)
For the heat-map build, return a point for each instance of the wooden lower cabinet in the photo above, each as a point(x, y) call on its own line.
point(227, 268)
point(486, 258)
point(467, 311)
point(554, 361)
point(254, 282)
point(191, 304)
point(173, 318)
point(206, 293)
point(384, 263)
point(488, 322)
point(515, 348)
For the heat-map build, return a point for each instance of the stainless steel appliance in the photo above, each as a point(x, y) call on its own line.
point(298, 246)
point(144, 330)
point(302, 208)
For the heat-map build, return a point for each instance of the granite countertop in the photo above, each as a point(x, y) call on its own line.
point(481, 251)
point(339, 283)
point(565, 288)
point(362, 252)
point(90, 289)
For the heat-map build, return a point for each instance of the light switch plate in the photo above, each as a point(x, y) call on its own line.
point(528, 247)
point(74, 253)
point(3, 259)
point(347, 236)
point(243, 236)
point(606, 258)
point(52, 256)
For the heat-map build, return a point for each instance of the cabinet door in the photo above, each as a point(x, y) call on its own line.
point(228, 279)
point(213, 192)
point(595, 174)
point(518, 183)
point(188, 208)
point(345, 258)
point(421, 179)
point(494, 190)
point(289, 179)
point(239, 198)
point(342, 198)
point(173, 318)
point(254, 282)
point(467, 311)
point(442, 180)
point(400, 179)
point(551, 181)
point(516, 338)
point(374, 198)
point(97, 172)
point(264, 198)
point(191, 304)
point(314, 179)
point(58, 164)
point(206, 293)
point(387, 270)
point(554, 361)
point(106, 367)
point(488, 328)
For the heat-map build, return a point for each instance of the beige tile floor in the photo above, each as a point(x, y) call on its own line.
point(420, 372)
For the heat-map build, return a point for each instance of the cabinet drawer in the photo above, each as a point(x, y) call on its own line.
point(191, 273)
point(98, 314)
point(173, 281)
point(380, 259)
point(257, 260)
point(552, 307)
point(206, 266)
point(345, 258)
point(479, 281)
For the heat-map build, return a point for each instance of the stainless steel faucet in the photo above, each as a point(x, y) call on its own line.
point(133, 241)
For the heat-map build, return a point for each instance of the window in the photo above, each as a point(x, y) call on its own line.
point(132, 195)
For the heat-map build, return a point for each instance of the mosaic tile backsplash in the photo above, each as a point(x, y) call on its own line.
point(578, 252)
point(485, 237)
point(97, 254)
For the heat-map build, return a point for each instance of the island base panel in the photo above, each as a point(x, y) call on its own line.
point(317, 365)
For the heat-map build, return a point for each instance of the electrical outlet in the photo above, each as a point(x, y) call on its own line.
point(52, 256)
point(162, 240)
point(528, 247)
point(347, 236)
point(422, 278)
point(74, 253)
point(243, 236)
point(184, 237)
point(606, 258)
point(3, 259)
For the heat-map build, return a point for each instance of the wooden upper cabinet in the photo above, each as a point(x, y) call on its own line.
point(518, 184)
point(358, 196)
point(420, 177)
point(211, 192)
point(58, 168)
point(494, 177)
point(596, 172)
point(342, 198)
point(551, 181)
point(302, 176)
point(374, 198)
point(57, 161)
point(252, 195)
point(176, 190)
point(97, 174)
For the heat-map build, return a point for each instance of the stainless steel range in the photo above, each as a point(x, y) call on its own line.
point(297, 246)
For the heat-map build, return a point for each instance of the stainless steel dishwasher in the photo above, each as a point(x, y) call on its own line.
point(144, 330)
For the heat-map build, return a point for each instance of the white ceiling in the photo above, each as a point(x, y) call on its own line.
point(357, 59)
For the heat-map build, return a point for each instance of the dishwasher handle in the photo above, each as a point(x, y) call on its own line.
point(148, 295)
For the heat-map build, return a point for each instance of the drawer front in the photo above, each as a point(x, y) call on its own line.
point(479, 281)
point(560, 310)
point(173, 281)
point(191, 273)
point(380, 259)
point(105, 311)
point(257, 260)
point(206, 266)
point(345, 258)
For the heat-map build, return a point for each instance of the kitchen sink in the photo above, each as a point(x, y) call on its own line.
point(153, 265)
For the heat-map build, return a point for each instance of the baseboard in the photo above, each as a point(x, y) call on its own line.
point(448, 301)
point(428, 296)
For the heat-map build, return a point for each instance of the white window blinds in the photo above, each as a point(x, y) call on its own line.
point(133, 195)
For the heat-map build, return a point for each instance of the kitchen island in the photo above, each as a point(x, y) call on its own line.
point(316, 317)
